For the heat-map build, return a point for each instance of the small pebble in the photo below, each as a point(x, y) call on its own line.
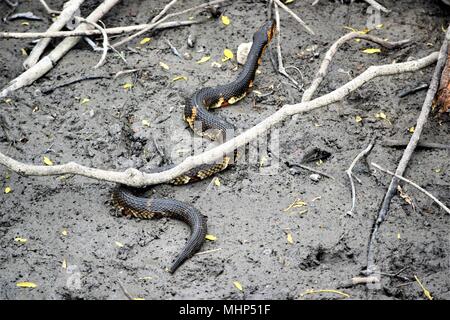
point(191, 40)
point(242, 52)
point(315, 177)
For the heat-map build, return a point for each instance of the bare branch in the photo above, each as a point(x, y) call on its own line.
point(349, 173)
point(296, 17)
point(415, 185)
point(90, 32)
point(47, 63)
point(421, 120)
point(66, 15)
point(377, 6)
point(135, 178)
point(323, 70)
point(151, 26)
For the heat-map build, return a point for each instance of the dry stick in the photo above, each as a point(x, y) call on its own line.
point(296, 17)
point(47, 63)
point(349, 173)
point(426, 108)
point(90, 32)
point(281, 68)
point(153, 25)
point(164, 10)
point(439, 203)
point(423, 144)
point(105, 40)
point(65, 16)
point(323, 70)
point(47, 7)
point(135, 178)
point(377, 6)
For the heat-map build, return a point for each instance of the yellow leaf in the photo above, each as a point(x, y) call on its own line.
point(412, 129)
point(437, 170)
point(24, 52)
point(146, 123)
point(228, 54)
point(379, 26)
point(85, 100)
point(8, 189)
point(180, 78)
point(8, 100)
point(238, 285)
point(21, 240)
point(138, 299)
point(225, 20)
point(425, 291)
point(358, 119)
point(325, 291)
point(144, 41)
point(399, 236)
point(210, 237)
point(25, 23)
point(64, 264)
point(164, 66)
point(47, 161)
point(204, 59)
point(127, 86)
point(289, 238)
point(26, 284)
point(296, 204)
point(64, 232)
point(372, 50)
point(119, 244)
point(217, 182)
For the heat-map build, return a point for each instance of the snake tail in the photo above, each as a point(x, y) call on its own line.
point(147, 208)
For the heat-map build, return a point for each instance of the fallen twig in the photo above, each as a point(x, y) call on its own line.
point(281, 68)
point(311, 169)
point(439, 203)
point(153, 25)
point(47, 63)
point(293, 14)
point(90, 32)
point(66, 15)
point(135, 178)
point(421, 120)
point(377, 6)
point(84, 78)
point(349, 173)
point(423, 144)
point(323, 70)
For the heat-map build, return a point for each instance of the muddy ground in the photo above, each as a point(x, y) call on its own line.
point(70, 218)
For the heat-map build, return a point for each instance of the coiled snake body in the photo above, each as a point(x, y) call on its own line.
point(196, 112)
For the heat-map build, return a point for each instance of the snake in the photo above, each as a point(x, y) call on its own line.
point(206, 124)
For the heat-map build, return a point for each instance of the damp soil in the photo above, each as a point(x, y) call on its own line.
point(77, 248)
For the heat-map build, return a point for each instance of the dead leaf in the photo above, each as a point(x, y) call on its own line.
point(225, 20)
point(164, 66)
point(128, 85)
point(238, 285)
point(204, 59)
point(47, 161)
point(289, 238)
point(210, 237)
point(144, 41)
point(26, 284)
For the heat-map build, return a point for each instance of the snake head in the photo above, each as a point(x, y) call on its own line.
point(267, 30)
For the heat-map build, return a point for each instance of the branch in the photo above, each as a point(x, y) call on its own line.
point(91, 32)
point(151, 26)
point(295, 16)
point(66, 15)
point(47, 63)
point(421, 120)
point(135, 178)
point(377, 6)
point(323, 70)
point(349, 173)
point(439, 203)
